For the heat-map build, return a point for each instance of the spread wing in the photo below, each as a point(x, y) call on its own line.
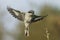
point(17, 14)
point(37, 18)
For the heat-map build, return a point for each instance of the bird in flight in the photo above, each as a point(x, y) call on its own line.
point(26, 17)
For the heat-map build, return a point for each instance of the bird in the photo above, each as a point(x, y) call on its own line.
point(26, 17)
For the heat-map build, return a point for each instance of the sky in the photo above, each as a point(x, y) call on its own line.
point(22, 5)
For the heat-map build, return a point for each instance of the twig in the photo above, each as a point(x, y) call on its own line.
point(47, 34)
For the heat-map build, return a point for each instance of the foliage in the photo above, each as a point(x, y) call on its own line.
point(51, 22)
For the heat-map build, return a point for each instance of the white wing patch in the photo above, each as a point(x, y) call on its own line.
point(16, 13)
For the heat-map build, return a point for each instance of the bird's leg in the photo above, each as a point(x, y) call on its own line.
point(27, 29)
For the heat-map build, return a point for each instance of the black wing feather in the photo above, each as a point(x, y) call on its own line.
point(37, 18)
point(20, 16)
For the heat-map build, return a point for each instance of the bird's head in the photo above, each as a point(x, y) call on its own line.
point(31, 11)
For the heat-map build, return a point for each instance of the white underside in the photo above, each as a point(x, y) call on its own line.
point(27, 18)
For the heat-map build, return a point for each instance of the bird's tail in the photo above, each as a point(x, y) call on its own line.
point(27, 31)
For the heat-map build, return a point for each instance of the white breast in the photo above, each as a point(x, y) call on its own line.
point(28, 17)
